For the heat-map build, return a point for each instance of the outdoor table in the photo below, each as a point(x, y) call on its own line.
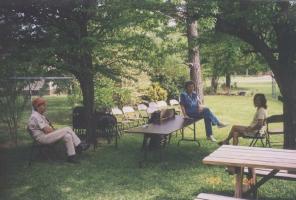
point(164, 128)
point(252, 157)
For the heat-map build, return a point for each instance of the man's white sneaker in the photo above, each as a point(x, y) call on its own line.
point(211, 138)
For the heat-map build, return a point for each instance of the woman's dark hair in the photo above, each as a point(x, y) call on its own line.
point(187, 83)
point(262, 98)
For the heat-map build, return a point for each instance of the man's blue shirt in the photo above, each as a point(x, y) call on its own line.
point(190, 102)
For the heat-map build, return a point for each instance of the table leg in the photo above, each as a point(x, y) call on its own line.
point(262, 181)
point(239, 182)
point(194, 131)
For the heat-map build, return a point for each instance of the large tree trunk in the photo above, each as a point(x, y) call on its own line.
point(193, 56)
point(86, 81)
point(214, 83)
point(228, 80)
point(287, 84)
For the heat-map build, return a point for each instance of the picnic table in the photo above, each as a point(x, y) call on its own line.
point(252, 157)
point(164, 128)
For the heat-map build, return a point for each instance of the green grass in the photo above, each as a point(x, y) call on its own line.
point(110, 173)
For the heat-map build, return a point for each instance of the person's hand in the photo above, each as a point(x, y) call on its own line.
point(200, 108)
point(48, 129)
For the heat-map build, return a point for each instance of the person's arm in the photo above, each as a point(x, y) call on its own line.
point(44, 125)
point(257, 126)
point(182, 103)
point(47, 129)
point(261, 115)
point(184, 111)
point(200, 106)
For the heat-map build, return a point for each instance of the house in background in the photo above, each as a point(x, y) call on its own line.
point(41, 87)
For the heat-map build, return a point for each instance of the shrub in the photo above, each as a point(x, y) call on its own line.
point(157, 93)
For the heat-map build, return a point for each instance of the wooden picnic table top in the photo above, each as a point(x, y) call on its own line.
point(165, 127)
point(254, 157)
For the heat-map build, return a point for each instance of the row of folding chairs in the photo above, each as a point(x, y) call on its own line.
point(128, 117)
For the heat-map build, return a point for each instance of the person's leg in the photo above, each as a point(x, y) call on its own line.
point(207, 113)
point(236, 135)
point(56, 136)
point(235, 132)
point(75, 138)
point(69, 144)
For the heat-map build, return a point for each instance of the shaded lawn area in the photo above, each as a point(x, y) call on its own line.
point(110, 173)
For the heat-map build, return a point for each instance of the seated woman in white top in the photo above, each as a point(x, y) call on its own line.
point(258, 123)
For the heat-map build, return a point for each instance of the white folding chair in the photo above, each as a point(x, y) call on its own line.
point(174, 102)
point(130, 114)
point(122, 122)
point(162, 104)
point(153, 105)
point(176, 105)
point(142, 109)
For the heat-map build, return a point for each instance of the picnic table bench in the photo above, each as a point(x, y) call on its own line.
point(241, 157)
point(282, 174)
point(204, 196)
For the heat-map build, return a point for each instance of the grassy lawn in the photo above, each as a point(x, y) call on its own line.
point(110, 173)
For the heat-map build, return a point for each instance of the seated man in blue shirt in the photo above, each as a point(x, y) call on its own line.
point(191, 108)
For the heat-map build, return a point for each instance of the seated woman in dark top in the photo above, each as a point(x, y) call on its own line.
point(257, 125)
point(192, 108)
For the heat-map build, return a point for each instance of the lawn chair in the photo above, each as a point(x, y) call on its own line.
point(273, 120)
point(131, 115)
point(161, 104)
point(153, 105)
point(176, 105)
point(142, 109)
point(122, 122)
point(151, 110)
point(47, 151)
point(260, 135)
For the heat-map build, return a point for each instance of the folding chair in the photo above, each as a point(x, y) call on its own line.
point(260, 135)
point(176, 105)
point(122, 122)
point(47, 151)
point(153, 105)
point(271, 130)
point(131, 115)
point(151, 110)
point(142, 109)
point(161, 104)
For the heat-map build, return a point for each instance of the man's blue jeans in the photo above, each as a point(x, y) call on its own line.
point(209, 119)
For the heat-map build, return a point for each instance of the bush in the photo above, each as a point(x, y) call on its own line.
point(173, 85)
point(107, 94)
point(156, 93)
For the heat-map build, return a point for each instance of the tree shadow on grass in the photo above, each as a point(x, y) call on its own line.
point(110, 173)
